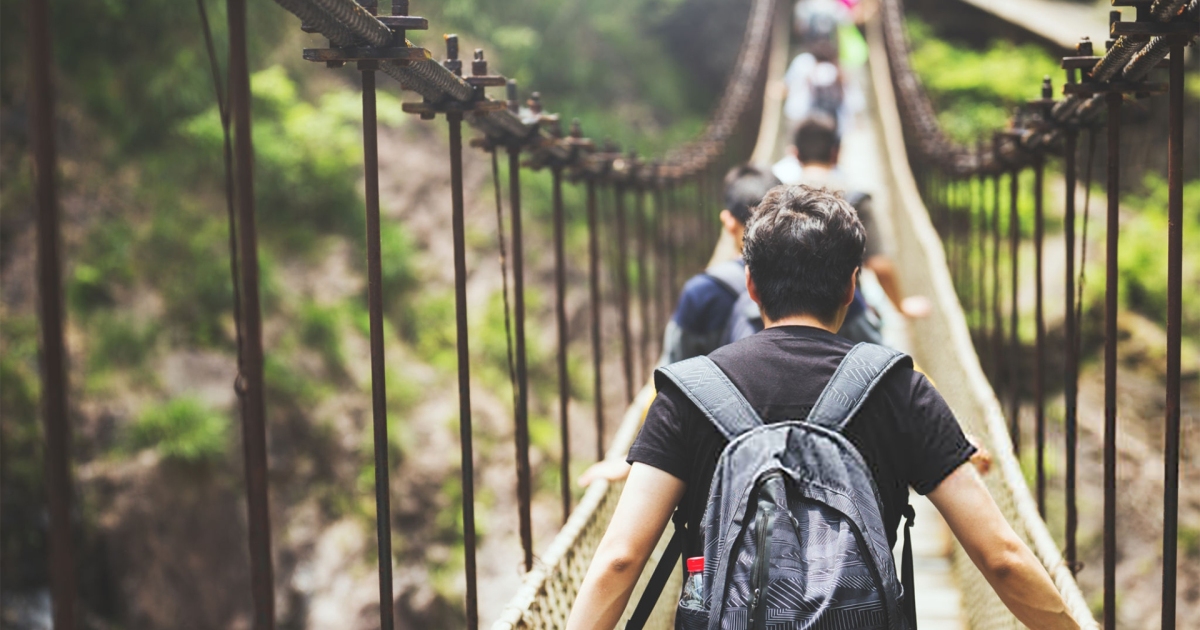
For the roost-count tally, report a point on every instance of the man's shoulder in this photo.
(703, 303)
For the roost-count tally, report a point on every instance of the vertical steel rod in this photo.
(660, 280)
(643, 288)
(1110, 361)
(1174, 332)
(254, 430)
(997, 316)
(1014, 348)
(980, 253)
(464, 365)
(623, 289)
(383, 511)
(1071, 369)
(55, 420)
(594, 287)
(560, 315)
(672, 238)
(524, 476)
(1039, 370)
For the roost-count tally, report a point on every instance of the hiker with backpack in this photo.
(815, 150)
(787, 459)
(815, 83)
(713, 307)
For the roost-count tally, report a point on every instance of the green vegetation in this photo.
(184, 430)
(1143, 259)
(973, 90)
(147, 270)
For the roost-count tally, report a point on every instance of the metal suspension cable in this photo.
(223, 112)
(500, 238)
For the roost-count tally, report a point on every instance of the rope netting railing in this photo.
(983, 243)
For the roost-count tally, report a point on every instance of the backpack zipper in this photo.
(760, 568)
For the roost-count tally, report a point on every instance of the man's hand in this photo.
(916, 307)
(608, 469)
(982, 458)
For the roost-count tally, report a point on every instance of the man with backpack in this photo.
(787, 458)
(815, 148)
(713, 306)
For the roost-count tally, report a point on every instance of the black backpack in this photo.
(744, 319)
(793, 534)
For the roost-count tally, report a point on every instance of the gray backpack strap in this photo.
(711, 391)
(860, 371)
(730, 274)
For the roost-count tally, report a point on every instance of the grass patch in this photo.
(183, 430)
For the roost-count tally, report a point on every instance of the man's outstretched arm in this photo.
(642, 513)
(1009, 566)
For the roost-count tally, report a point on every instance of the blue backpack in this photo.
(793, 534)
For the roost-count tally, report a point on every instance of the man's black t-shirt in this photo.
(905, 431)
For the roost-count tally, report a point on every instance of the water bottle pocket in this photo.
(690, 619)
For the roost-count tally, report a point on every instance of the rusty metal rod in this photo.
(464, 365)
(1174, 334)
(660, 281)
(594, 288)
(1039, 370)
(643, 287)
(997, 315)
(981, 306)
(672, 238)
(623, 289)
(521, 433)
(1071, 369)
(1110, 360)
(254, 431)
(56, 423)
(560, 315)
(1014, 347)
(383, 511)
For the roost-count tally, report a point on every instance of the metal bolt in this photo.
(452, 62)
(535, 102)
(1084, 48)
(479, 65)
(399, 7)
(511, 96)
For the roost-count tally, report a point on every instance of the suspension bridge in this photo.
(953, 244)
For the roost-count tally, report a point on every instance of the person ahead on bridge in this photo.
(803, 248)
(812, 160)
(707, 315)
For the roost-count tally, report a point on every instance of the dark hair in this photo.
(816, 139)
(744, 187)
(825, 49)
(802, 246)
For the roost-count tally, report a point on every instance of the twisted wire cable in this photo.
(1164, 10)
(1145, 59)
(1115, 59)
(314, 16)
(351, 15)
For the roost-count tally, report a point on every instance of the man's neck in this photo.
(816, 169)
(800, 320)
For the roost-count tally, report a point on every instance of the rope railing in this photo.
(952, 177)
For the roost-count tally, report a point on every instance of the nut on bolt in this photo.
(479, 65)
(510, 93)
(452, 62)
